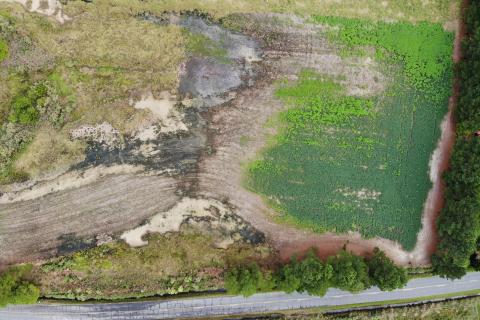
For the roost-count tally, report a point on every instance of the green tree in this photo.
(289, 278)
(350, 272)
(247, 280)
(314, 274)
(310, 275)
(384, 273)
(14, 289)
(459, 222)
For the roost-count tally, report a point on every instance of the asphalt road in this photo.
(204, 307)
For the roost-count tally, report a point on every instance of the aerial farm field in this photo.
(350, 163)
(179, 140)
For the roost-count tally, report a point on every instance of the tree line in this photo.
(459, 222)
(344, 271)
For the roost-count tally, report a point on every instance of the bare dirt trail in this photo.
(35, 229)
(428, 238)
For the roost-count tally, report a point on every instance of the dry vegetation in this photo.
(409, 10)
(49, 150)
(169, 264)
(465, 309)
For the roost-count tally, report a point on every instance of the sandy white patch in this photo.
(102, 133)
(45, 7)
(164, 112)
(248, 53)
(70, 180)
(172, 219)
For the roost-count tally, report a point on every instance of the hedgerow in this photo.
(344, 271)
(459, 221)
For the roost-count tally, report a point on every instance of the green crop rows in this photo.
(346, 163)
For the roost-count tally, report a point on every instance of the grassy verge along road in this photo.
(228, 305)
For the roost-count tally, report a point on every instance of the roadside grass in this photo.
(169, 264)
(354, 164)
(435, 308)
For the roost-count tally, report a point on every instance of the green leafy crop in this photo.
(344, 163)
(425, 49)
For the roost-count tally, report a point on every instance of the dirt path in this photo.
(38, 228)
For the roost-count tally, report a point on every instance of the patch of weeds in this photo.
(58, 264)
(3, 50)
(169, 264)
(201, 45)
(424, 49)
(13, 138)
(25, 107)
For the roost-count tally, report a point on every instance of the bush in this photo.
(247, 280)
(25, 107)
(14, 289)
(384, 274)
(350, 272)
(310, 275)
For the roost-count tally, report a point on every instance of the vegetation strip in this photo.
(344, 271)
(459, 221)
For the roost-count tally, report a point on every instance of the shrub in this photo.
(25, 107)
(247, 280)
(350, 272)
(14, 289)
(384, 273)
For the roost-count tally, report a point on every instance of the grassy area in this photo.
(468, 309)
(409, 10)
(93, 53)
(96, 72)
(3, 50)
(169, 264)
(346, 163)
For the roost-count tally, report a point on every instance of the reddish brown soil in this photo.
(427, 241)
